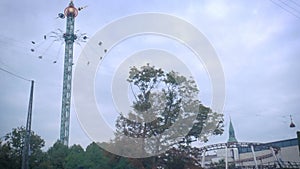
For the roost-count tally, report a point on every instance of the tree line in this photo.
(59, 156)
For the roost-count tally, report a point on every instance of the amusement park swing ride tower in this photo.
(70, 13)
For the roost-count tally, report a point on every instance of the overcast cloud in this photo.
(256, 41)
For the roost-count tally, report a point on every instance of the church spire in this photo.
(231, 138)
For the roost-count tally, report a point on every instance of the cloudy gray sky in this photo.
(257, 43)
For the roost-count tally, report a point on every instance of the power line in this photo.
(288, 5)
(15, 75)
(295, 3)
(277, 4)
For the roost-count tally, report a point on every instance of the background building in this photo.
(276, 154)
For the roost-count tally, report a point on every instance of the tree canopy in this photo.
(162, 98)
(12, 145)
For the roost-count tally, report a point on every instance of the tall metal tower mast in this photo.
(26, 148)
(70, 12)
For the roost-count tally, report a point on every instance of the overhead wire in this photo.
(295, 3)
(20, 45)
(5, 65)
(285, 9)
(10, 72)
(288, 5)
(15, 75)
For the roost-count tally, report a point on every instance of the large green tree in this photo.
(181, 157)
(57, 156)
(11, 148)
(95, 157)
(98, 158)
(6, 160)
(75, 158)
(160, 99)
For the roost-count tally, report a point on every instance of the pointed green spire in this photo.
(231, 138)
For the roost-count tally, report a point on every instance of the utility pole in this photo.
(26, 148)
(70, 13)
(298, 136)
